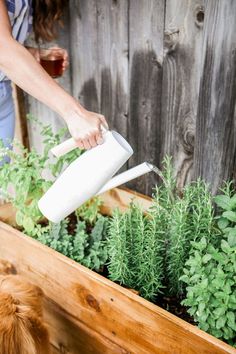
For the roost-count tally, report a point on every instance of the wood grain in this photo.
(216, 121)
(146, 27)
(100, 60)
(180, 86)
(8, 214)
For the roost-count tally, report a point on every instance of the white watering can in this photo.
(89, 175)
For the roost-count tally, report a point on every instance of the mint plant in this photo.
(210, 275)
(227, 220)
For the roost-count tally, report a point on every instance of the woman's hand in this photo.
(86, 127)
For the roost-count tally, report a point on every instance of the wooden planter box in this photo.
(89, 314)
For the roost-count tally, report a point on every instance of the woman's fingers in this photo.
(80, 144)
(92, 140)
(86, 143)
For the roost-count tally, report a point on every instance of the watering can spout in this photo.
(127, 176)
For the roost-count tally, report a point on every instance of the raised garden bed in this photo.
(87, 313)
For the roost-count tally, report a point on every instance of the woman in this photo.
(17, 64)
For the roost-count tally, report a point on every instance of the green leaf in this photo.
(184, 278)
(223, 223)
(28, 224)
(220, 322)
(230, 215)
(220, 311)
(204, 326)
(231, 320)
(223, 201)
(206, 258)
(225, 247)
(231, 233)
(19, 218)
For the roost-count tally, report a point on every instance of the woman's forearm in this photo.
(21, 67)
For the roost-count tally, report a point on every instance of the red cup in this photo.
(52, 61)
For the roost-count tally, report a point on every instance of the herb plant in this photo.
(210, 274)
(22, 182)
(134, 258)
(86, 248)
(191, 219)
(227, 220)
(149, 253)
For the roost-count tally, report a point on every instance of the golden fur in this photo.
(22, 330)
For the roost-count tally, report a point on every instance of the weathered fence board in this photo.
(216, 120)
(146, 27)
(180, 85)
(146, 66)
(99, 31)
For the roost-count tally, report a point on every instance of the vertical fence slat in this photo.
(146, 27)
(84, 53)
(216, 123)
(181, 76)
(99, 32)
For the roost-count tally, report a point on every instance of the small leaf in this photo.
(28, 224)
(220, 311)
(19, 218)
(230, 215)
(223, 223)
(223, 201)
(232, 236)
(225, 246)
(231, 319)
(184, 278)
(220, 322)
(206, 258)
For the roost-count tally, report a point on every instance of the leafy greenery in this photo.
(227, 220)
(210, 275)
(191, 219)
(89, 249)
(90, 210)
(22, 182)
(134, 258)
(149, 252)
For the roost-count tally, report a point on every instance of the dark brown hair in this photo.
(47, 15)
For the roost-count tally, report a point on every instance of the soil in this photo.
(172, 305)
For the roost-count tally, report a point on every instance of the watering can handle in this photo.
(69, 145)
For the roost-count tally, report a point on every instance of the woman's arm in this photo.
(20, 66)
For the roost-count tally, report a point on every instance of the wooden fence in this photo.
(163, 72)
